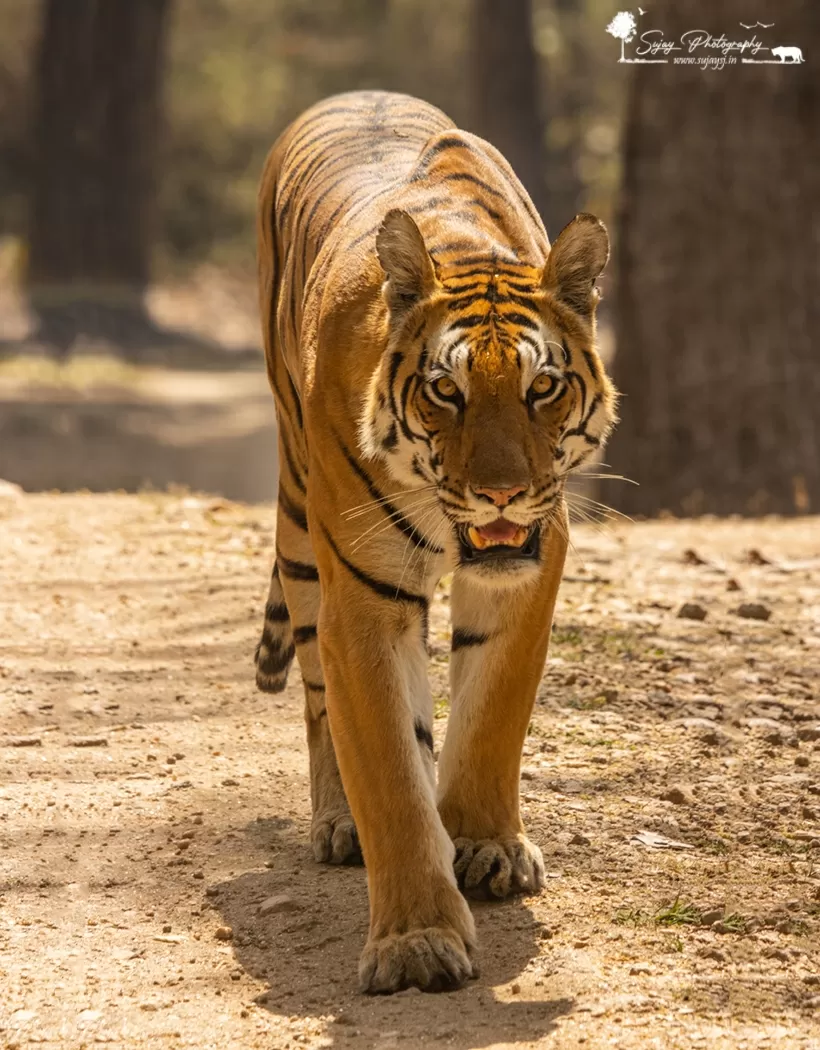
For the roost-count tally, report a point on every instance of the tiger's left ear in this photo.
(405, 260)
(576, 261)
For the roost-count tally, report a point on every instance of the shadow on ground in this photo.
(309, 956)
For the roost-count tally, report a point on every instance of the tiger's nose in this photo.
(500, 497)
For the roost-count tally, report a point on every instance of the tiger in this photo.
(436, 380)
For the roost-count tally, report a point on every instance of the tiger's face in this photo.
(491, 389)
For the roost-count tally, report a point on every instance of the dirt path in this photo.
(150, 799)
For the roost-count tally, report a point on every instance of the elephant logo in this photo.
(793, 54)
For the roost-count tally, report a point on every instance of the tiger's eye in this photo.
(544, 384)
(445, 387)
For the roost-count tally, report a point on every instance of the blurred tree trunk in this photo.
(98, 93)
(505, 88)
(717, 306)
(565, 104)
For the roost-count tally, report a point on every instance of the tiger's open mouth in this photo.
(499, 539)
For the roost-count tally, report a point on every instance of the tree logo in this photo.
(623, 27)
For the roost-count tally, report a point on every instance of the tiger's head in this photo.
(490, 387)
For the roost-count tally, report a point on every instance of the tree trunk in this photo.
(505, 88)
(717, 305)
(98, 88)
(566, 104)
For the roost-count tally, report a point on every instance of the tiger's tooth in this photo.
(476, 538)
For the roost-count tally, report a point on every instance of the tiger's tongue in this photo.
(499, 531)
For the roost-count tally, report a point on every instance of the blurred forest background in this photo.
(132, 137)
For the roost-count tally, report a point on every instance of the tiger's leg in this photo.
(499, 651)
(333, 833)
(372, 646)
(291, 616)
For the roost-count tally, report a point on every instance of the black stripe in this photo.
(395, 364)
(423, 734)
(579, 380)
(520, 319)
(292, 511)
(307, 167)
(315, 687)
(466, 176)
(407, 430)
(520, 300)
(385, 590)
(478, 203)
(593, 368)
(448, 142)
(325, 193)
(298, 570)
(390, 439)
(463, 301)
(301, 635)
(456, 246)
(417, 538)
(462, 638)
(276, 661)
(276, 612)
(469, 321)
(291, 462)
(307, 122)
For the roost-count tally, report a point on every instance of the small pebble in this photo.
(578, 839)
(678, 795)
(223, 933)
(278, 905)
(802, 761)
(639, 968)
(691, 611)
(229, 782)
(87, 741)
(753, 611)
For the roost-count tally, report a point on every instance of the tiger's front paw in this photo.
(435, 959)
(494, 868)
(335, 840)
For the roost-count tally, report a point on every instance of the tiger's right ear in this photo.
(410, 272)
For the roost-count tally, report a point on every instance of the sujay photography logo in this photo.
(697, 47)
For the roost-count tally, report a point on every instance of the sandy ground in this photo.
(151, 800)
